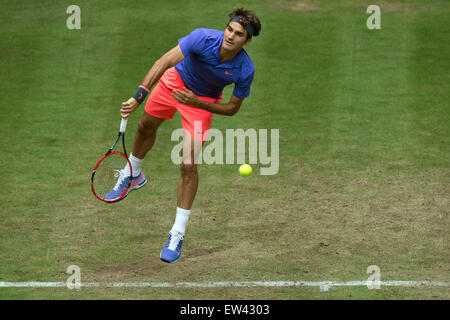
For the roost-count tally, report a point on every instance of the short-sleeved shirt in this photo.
(202, 71)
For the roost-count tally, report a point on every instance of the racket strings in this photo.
(111, 179)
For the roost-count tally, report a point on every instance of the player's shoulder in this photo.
(207, 34)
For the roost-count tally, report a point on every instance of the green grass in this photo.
(364, 151)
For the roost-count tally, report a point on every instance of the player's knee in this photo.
(146, 128)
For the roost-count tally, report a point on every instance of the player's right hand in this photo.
(128, 107)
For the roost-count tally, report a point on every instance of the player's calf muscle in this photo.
(188, 170)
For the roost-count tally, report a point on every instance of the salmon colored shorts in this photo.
(161, 104)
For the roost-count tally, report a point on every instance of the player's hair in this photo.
(250, 17)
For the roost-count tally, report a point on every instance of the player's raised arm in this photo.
(168, 60)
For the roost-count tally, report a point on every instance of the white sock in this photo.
(135, 164)
(181, 220)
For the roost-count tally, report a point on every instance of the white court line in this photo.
(323, 285)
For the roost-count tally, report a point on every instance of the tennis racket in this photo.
(110, 181)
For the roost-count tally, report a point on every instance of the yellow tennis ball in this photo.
(245, 170)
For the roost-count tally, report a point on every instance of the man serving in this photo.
(191, 80)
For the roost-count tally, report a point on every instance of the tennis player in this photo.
(191, 80)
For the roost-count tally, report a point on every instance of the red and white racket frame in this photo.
(123, 126)
(95, 170)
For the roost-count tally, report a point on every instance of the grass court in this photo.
(364, 162)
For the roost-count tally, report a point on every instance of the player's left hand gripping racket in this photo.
(110, 182)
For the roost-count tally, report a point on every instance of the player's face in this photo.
(234, 37)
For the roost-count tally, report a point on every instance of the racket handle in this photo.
(123, 125)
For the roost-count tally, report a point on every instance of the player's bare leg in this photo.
(187, 189)
(146, 135)
(188, 183)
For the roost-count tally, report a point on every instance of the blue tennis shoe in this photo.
(172, 250)
(122, 183)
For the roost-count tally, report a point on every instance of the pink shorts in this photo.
(161, 104)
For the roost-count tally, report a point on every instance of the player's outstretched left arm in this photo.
(189, 98)
(168, 60)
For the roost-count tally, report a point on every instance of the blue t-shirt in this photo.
(202, 71)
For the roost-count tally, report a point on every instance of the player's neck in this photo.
(226, 55)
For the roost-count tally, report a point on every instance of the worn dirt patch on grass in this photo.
(395, 7)
(300, 6)
(403, 6)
